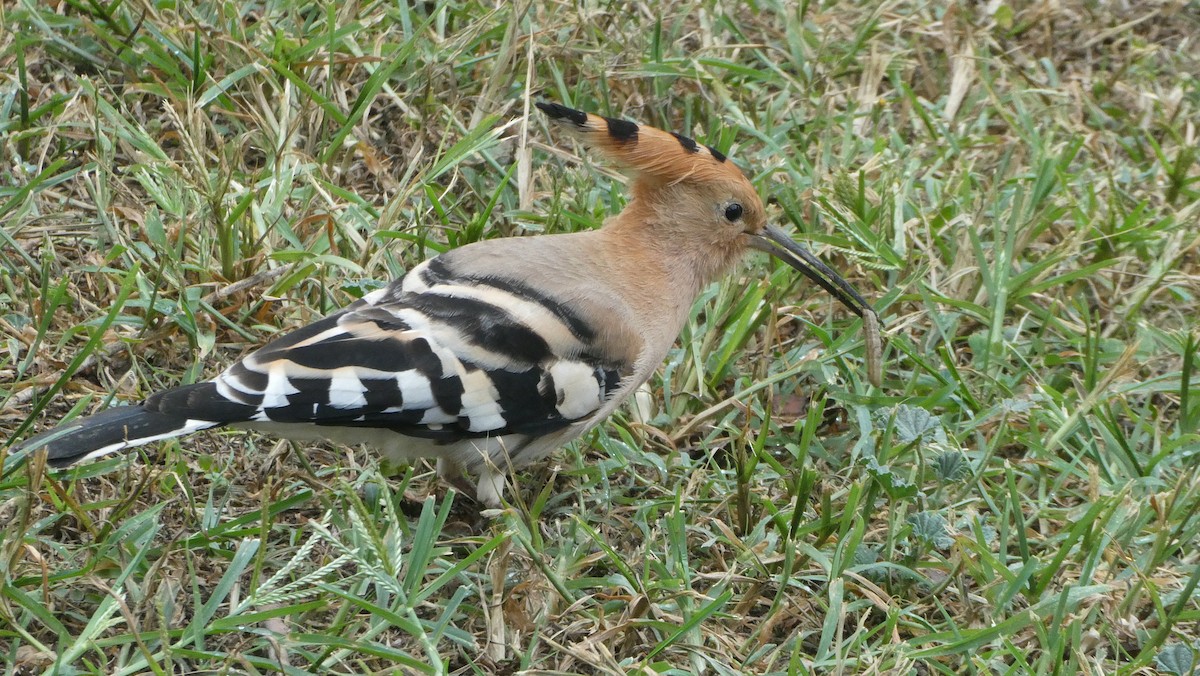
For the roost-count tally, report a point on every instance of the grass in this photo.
(1015, 185)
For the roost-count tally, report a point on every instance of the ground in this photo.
(1015, 186)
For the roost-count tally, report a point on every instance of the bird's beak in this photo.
(776, 242)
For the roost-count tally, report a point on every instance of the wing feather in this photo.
(436, 355)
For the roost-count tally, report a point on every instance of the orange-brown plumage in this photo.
(654, 157)
(680, 190)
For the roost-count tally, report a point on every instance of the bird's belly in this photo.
(509, 450)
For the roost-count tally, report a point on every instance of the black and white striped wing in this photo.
(435, 356)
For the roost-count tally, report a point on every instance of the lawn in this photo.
(1015, 186)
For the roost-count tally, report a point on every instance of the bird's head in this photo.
(696, 200)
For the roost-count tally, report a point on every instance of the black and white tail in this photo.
(112, 430)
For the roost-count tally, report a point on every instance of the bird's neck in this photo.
(661, 274)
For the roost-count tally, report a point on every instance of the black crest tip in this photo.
(621, 131)
(687, 143)
(557, 111)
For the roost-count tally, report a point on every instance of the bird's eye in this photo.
(733, 211)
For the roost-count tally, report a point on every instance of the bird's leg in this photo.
(490, 487)
(452, 472)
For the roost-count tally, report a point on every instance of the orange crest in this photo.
(654, 157)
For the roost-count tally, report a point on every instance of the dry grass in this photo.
(1017, 186)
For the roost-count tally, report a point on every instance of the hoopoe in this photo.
(491, 356)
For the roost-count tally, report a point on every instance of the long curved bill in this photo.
(776, 242)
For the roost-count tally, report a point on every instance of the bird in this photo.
(490, 356)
